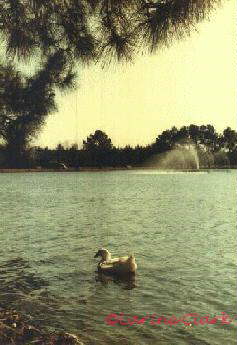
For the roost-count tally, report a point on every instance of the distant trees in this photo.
(166, 140)
(98, 151)
(213, 149)
(229, 139)
(228, 143)
(221, 159)
(204, 135)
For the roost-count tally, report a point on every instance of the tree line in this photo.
(98, 151)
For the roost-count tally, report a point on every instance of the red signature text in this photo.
(189, 319)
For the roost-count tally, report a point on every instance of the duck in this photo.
(119, 265)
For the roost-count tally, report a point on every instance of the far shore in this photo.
(105, 169)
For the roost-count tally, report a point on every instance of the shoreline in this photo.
(108, 169)
(16, 329)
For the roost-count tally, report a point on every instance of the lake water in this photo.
(180, 226)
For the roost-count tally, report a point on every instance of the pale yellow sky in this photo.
(194, 81)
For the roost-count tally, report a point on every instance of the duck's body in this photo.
(120, 265)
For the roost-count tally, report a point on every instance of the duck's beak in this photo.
(96, 255)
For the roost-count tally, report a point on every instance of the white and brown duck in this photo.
(119, 265)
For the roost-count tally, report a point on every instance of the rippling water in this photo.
(180, 226)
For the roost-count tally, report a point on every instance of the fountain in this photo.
(183, 156)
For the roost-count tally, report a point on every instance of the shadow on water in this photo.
(15, 279)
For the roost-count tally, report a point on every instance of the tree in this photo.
(193, 131)
(99, 147)
(229, 139)
(25, 102)
(98, 141)
(88, 28)
(166, 140)
(60, 34)
(209, 138)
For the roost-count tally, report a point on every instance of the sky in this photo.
(191, 82)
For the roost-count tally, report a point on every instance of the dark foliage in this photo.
(89, 28)
(213, 149)
(26, 101)
(98, 147)
(200, 135)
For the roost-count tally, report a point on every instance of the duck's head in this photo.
(103, 253)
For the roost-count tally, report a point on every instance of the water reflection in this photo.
(127, 282)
